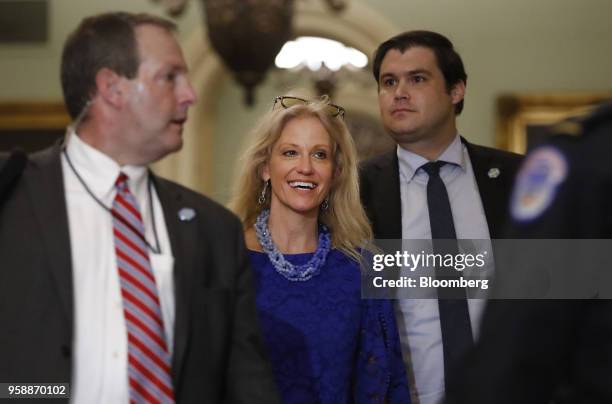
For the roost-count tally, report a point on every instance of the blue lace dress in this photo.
(325, 343)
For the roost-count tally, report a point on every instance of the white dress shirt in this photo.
(419, 319)
(99, 368)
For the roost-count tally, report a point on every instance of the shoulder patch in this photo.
(537, 183)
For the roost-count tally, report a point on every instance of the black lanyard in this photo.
(156, 249)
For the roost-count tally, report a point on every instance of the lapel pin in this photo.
(493, 172)
(186, 214)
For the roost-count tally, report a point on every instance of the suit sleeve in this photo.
(523, 353)
(534, 351)
(250, 378)
(11, 168)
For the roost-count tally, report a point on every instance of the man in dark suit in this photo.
(127, 286)
(421, 86)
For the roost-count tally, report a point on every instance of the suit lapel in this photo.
(493, 189)
(386, 199)
(46, 191)
(183, 239)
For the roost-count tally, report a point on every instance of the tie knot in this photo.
(121, 181)
(433, 168)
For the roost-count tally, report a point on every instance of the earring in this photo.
(262, 195)
(325, 204)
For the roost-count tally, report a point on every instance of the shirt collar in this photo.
(410, 162)
(100, 172)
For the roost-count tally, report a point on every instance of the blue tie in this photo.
(454, 315)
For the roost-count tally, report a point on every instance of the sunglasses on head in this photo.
(287, 101)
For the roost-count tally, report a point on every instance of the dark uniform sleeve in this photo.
(551, 351)
(563, 189)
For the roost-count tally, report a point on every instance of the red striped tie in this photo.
(148, 356)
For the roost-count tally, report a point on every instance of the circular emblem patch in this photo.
(537, 183)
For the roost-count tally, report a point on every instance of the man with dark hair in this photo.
(447, 59)
(127, 286)
(435, 185)
(98, 43)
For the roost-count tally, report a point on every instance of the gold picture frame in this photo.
(33, 115)
(31, 125)
(519, 114)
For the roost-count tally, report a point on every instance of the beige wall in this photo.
(507, 46)
(519, 45)
(32, 72)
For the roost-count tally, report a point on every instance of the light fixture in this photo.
(247, 34)
(322, 61)
(314, 52)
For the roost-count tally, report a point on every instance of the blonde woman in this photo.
(298, 199)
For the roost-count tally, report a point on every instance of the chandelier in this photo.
(247, 34)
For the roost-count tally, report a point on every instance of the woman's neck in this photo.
(293, 232)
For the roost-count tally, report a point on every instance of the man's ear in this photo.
(108, 86)
(458, 92)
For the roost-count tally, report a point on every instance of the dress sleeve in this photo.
(380, 373)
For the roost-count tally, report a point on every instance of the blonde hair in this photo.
(345, 217)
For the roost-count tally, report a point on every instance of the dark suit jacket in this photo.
(380, 189)
(11, 167)
(218, 355)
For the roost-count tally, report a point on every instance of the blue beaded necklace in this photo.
(294, 273)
